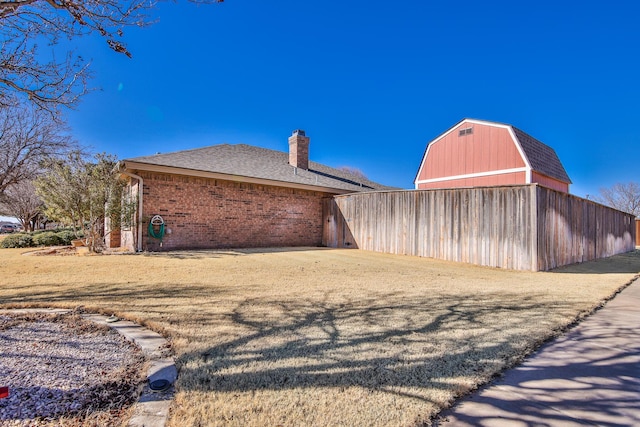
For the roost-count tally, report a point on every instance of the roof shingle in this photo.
(543, 159)
(243, 160)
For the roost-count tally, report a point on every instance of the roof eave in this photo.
(149, 167)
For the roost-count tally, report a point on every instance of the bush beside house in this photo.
(61, 237)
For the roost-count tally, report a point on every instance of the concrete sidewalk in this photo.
(590, 376)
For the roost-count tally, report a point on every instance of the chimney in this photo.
(299, 149)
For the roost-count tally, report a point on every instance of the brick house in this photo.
(476, 153)
(226, 196)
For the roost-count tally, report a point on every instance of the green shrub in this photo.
(48, 238)
(59, 237)
(66, 236)
(17, 240)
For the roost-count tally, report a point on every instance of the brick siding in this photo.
(213, 213)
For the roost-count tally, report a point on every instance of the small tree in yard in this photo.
(21, 201)
(82, 193)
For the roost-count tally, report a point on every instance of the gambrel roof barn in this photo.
(476, 153)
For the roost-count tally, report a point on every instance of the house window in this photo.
(465, 131)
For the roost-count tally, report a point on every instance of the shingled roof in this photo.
(542, 158)
(240, 160)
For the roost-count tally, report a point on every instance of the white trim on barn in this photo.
(529, 176)
(474, 175)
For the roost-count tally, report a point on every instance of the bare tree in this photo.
(21, 201)
(27, 137)
(624, 197)
(30, 30)
(353, 171)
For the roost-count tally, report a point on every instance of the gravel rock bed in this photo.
(64, 370)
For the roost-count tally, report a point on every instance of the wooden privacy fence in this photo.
(526, 227)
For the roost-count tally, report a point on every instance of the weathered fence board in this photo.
(571, 230)
(516, 227)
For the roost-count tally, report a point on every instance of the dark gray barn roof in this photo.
(242, 160)
(543, 159)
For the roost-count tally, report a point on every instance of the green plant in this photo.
(83, 193)
(48, 238)
(17, 240)
(66, 236)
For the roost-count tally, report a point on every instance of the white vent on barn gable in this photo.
(465, 131)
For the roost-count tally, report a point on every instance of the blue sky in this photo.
(373, 82)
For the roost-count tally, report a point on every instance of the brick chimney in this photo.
(299, 149)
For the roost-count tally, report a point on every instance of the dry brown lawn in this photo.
(317, 336)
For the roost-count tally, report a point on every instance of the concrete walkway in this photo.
(152, 408)
(590, 376)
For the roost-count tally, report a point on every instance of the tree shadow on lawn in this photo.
(121, 295)
(383, 343)
(564, 387)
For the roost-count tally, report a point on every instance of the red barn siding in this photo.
(548, 182)
(488, 154)
(486, 149)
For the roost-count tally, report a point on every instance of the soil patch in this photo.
(55, 250)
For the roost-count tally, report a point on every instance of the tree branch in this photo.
(24, 24)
